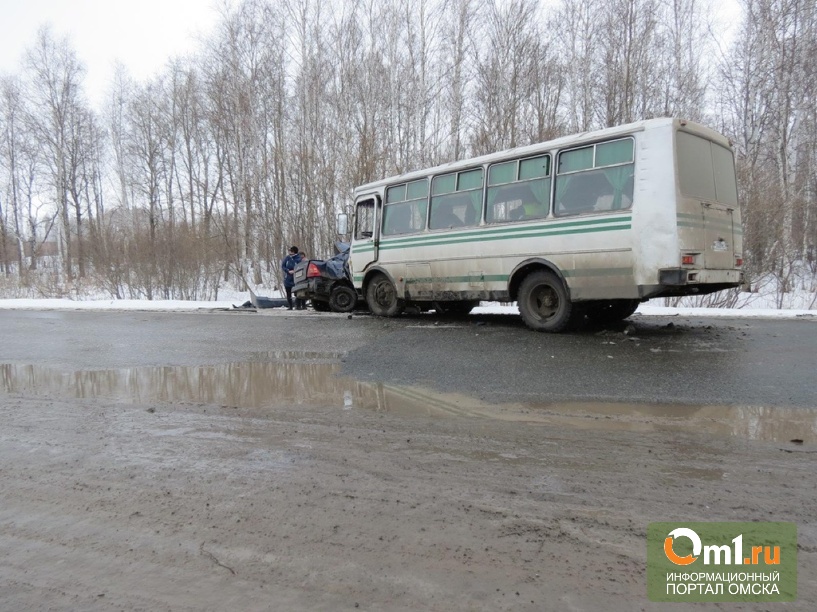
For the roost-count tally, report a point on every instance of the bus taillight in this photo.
(738, 261)
(312, 270)
(687, 260)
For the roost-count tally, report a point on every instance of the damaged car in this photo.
(327, 284)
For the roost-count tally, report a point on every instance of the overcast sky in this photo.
(142, 34)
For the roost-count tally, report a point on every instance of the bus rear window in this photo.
(706, 170)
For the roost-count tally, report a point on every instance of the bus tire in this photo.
(343, 299)
(381, 296)
(543, 302)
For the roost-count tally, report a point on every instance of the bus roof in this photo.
(563, 141)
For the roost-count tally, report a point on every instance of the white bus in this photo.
(588, 225)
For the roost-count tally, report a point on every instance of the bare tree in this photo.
(505, 71)
(58, 115)
(239, 72)
(578, 39)
(457, 47)
(206, 172)
(548, 85)
(769, 78)
(11, 145)
(684, 44)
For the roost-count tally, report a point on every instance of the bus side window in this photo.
(472, 214)
(583, 192)
(623, 181)
(444, 215)
(595, 178)
(452, 210)
(617, 192)
(516, 203)
(502, 204)
(397, 220)
(532, 208)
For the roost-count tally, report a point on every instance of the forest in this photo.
(199, 178)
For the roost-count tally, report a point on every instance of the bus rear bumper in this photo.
(686, 281)
(681, 277)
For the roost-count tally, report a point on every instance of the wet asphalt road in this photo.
(494, 358)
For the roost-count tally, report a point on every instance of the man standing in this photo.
(288, 266)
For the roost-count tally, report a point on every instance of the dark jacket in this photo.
(289, 263)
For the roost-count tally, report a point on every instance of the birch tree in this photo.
(505, 75)
(56, 78)
(578, 39)
(769, 79)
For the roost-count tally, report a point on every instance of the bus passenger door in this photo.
(365, 235)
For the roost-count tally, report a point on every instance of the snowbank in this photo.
(485, 308)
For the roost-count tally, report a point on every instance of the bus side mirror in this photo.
(343, 224)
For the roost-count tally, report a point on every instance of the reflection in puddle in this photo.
(312, 379)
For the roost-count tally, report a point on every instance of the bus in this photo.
(582, 227)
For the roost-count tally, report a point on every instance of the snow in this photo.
(647, 309)
(117, 305)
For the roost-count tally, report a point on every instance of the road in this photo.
(715, 361)
(304, 461)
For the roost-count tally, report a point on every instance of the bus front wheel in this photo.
(381, 296)
(544, 303)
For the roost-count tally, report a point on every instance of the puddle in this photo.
(287, 379)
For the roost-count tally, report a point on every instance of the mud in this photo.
(281, 484)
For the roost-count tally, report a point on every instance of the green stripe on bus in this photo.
(541, 233)
(490, 237)
(598, 272)
(712, 225)
(458, 279)
(510, 231)
(702, 222)
(697, 222)
(502, 233)
(589, 272)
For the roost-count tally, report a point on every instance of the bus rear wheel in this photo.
(544, 303)
(381, 296)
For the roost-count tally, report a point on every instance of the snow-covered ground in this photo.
(647, 309)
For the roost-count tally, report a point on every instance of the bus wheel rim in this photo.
(545, 301)
(384, 294)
